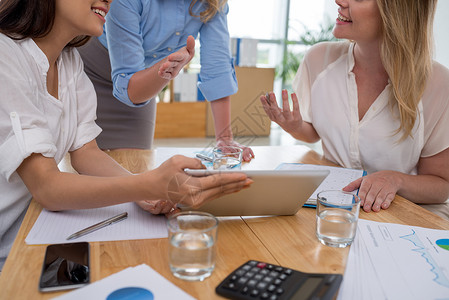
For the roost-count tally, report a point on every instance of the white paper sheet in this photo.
(55, 227)
(404, 262)
(141, 278)
(337, 179)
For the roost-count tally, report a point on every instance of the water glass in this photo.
(337, 213)
(192, 237)
(227, 158)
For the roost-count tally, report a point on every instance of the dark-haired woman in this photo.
(47, 109)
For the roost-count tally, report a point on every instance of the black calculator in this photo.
(259, 280)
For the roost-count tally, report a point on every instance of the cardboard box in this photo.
(248, 119)
(180, 119)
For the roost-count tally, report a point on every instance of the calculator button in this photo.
(252, 263)
(274, 274)
(277, 281)
(252, 283)
(271, 288)
(279, 291)
(283, 277)
(264, 295)
(255, 270)
(261, 285)
(242, 280)
(288, 271)
(233, 278)
(254, 293)
(261, 265)
(231, 286)
(270, 267)
(246, 267)
(278, 269)
(268, 279)
(240, 272)
(244, 290)
(273, 297)
(258, 277)
(250, 274)
(264, 272)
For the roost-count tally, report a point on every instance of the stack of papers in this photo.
(393, 261)
(140, 282)
(337, 179)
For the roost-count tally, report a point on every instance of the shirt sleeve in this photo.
(436, 112)
(87, 130)
(125, 45)
(217, 75)
(23, 126)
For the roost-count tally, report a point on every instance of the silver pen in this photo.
(97, 226)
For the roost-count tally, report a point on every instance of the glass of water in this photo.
(192, 236)
(227, 158)
(337, 213)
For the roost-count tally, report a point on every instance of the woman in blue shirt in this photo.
(139, 38)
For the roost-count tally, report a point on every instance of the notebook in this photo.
(273, 192)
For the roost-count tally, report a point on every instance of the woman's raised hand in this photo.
(176, 61)
(290, 121)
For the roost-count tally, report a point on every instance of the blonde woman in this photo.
(377, 102)
(147, 43)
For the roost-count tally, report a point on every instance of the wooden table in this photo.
(287, 240)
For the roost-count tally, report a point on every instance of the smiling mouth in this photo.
(99, 12)
(343, 19)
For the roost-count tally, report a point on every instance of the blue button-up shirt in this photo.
(139, 33)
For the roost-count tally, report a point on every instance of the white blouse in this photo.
(33, 121)
(327, 91)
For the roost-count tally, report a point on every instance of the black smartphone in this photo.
(66, 266)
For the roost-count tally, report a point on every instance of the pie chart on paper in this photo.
(443, 243)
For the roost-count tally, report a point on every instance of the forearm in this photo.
(146, 84)
(221, 111)
(64, 191)
(90, 160)
(428, 189)
(305, 132)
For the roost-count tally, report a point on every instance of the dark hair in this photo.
(20, 19)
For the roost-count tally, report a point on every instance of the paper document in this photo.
(55, 227)
(140, 282)
(393, 261)
(337, 179)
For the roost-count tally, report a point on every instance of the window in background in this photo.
(278, 25)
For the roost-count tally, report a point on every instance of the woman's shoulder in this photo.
(329, 49)
(321, 55)
(438, 81)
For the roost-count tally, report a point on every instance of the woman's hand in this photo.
(376, 190)
(157, 207)
(176, 61)
(290, 121)
(247, 153)
(174, 185)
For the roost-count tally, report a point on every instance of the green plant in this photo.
(292, 59)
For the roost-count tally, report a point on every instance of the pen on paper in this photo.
(203, 157)
(100, 225)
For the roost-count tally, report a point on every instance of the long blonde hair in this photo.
(213, 6)
(406, 52)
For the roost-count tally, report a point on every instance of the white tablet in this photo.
(274, 192)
